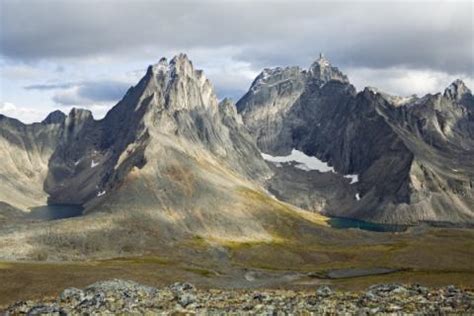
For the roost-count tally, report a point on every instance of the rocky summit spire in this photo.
(322, 71)
(173, 85)
(456, 90)
(322, 61)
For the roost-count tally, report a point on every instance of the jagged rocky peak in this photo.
(161, 66)
(77, 114)
(270, 75)
(322, 71)
(179, 65)
(227, 108)
(457, 90)
(392, 99)
(179, 83)
(55, 117)
(76, 120)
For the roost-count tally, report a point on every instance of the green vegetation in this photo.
(202, 272)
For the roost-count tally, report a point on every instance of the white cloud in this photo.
(404, 82)
(29, 115)
(230, 76)
(24, 114)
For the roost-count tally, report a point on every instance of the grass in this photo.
(435, 258)
(138, 260)
(279, 208)
(203, 272)
(4, 265)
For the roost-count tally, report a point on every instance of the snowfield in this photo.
(305, 162)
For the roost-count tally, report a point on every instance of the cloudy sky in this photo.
(61, 54)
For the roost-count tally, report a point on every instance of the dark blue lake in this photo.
(341, 222)
(52, 212)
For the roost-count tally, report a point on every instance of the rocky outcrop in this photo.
(128, 297)
(404, 150)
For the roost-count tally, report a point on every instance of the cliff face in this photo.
(403, 150)
(266, 105)
(25, 152)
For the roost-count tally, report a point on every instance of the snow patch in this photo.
(77, 162)
(357, 196)
(304, 162)
(101, 193)
(94, 164)
(302, 166)
(354, 178)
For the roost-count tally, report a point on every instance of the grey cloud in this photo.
(84, 93)
(49, 86)
(431, 35)
(103, 91)
(427, 35)
(69, 99)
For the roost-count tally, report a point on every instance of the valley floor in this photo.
(429, 256)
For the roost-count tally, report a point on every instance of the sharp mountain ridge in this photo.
(171, 150)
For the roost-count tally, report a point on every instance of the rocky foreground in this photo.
(126, 297)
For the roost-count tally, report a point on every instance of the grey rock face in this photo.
(25, 152)
(267, 103)
(56, 117)
(458, 91)
(438, 131)
(321, 72)
(411, 154)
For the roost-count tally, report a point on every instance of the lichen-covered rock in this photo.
(324, 291)
(72, 295)
(127, 297)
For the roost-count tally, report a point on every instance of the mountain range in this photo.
(413, 156)
(170, 149)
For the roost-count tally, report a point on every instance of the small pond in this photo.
(56, 211)
(341, 222)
